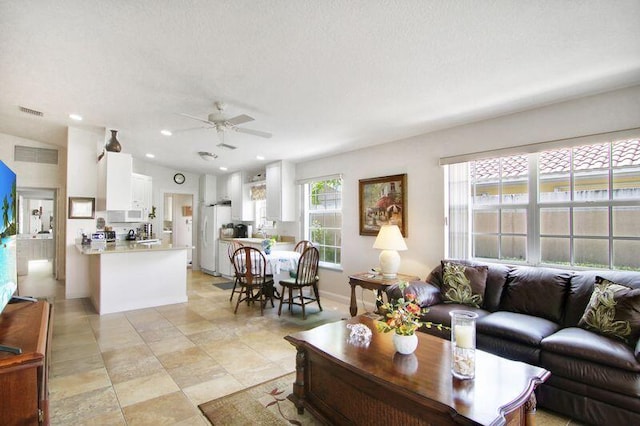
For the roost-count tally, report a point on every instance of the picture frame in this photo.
(82, 208)
(383, 200)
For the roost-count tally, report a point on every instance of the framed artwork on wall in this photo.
(383, 201)
(82, 208)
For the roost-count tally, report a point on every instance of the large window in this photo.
(576, 206)
(323, 219)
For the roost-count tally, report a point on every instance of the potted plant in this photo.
(403, 317)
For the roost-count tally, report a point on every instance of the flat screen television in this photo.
(8, 231)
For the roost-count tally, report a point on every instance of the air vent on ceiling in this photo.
(35, 155)
(31, 111)
(224, 145)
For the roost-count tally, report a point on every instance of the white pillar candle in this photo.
(464, 336)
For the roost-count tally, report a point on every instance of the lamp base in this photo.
(389, 263)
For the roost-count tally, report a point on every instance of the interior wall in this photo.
(419, 156)
(36, 175)
(82, 180)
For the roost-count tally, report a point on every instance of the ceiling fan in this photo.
(216, 120)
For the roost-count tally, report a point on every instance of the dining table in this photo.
(281, 261)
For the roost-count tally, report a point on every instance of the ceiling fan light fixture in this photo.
(166, 132)
(207, 156)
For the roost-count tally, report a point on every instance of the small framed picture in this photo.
(82, 208)
(383, 201)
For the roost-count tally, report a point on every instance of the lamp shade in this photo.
(390, 238)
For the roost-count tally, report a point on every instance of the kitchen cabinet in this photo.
(141, 193)
(225, 267)
(114, 182)
(281, 191)
(241, 204)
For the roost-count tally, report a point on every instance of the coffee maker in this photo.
(241, 230)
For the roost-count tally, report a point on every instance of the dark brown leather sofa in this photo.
(531, 314)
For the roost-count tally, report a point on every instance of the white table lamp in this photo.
(390, 241)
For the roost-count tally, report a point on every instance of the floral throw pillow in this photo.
(613, 311)
(463, 284)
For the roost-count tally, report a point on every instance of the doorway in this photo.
(37, 231)
(177, 223)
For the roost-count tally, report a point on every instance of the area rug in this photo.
(228, 285)
(263, 404)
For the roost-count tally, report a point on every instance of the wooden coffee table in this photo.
(340, 382)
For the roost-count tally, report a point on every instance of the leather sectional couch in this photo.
(533, 314)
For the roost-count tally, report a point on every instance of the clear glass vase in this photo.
(463, 344)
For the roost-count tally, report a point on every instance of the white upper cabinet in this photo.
(114, 182)
(141, 193)
(281, 191)
(241, 204)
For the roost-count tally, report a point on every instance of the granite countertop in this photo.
(257, 241)
(126, 247)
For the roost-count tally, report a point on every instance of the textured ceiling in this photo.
(322, 76)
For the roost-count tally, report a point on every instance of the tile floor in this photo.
(154, 366)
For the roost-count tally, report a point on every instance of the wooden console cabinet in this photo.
(24, 377)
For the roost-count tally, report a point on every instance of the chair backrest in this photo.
(250, 265)
(232, 247)
(308, 266)
(302, 246)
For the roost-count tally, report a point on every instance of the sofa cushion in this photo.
(439, 314)
(613, 311)
(515, 351)
(536, 291)
(593, 374)
(463, 284)
(496, 280)
(514, 327)
(426, 294)
(578, 343)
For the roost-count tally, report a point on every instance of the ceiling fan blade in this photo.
(253, 132)
(177, 131)
(244, 118)
(193, 117)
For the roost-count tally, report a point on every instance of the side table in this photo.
(373, 281)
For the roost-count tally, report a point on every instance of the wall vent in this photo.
(35, 155)
(31, 111)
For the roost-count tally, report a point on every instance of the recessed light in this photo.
(259, 157)
(166, 132)
(223, 168)
(149, 155)
(75, 117)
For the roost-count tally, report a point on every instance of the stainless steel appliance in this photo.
(146, 231)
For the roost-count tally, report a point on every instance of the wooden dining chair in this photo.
(306, 277)
(251, 266)
(231, 248)
(302, 246)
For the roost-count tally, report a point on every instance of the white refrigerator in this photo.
(212, 220)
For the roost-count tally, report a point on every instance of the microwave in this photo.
(120, 216)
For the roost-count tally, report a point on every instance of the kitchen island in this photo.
(132, 275)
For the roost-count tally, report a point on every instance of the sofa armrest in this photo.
(426, 294)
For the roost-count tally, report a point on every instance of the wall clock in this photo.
(178, 178)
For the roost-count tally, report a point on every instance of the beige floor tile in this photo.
(85, 407)
(196, 327)
(74, 366)
(81, 351)
(171, 344)
(74, 384)
(182, 357)
(156, 334)
(212, 389)
(260, 373)
(168, 409)
(145, 388)
(195, 373)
